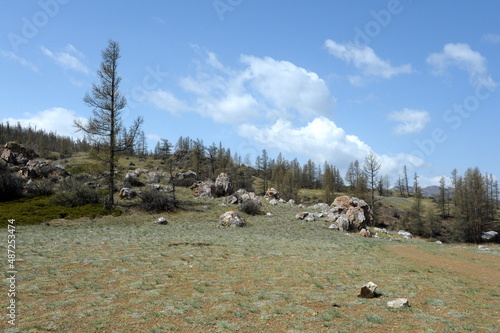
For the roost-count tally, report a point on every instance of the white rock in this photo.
(162, 221)
(398, 303)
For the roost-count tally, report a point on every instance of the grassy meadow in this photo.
(278, 274)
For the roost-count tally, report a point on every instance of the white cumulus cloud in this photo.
(57, 119)
(464, 58)
(365, 59)
(410, 121)
(322, 140)
(264, 87)
(70, 58)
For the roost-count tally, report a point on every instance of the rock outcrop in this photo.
(16, 154)
(28, 165)
(221, 187)
(349, 213)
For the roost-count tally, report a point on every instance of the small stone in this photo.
(398, 303)
(368, 290)
(162, 221)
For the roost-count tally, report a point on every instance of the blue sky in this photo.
(414, 82)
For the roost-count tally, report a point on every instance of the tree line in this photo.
(46, 144)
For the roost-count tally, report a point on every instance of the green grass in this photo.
(39, 209)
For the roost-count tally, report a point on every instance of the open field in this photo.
(127, 274)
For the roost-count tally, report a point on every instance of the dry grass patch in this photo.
(126, 274)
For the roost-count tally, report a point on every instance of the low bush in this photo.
(42, 187)
(73, 193)
(154, 201)
(250, 207)
(39, 209)
(11, 185)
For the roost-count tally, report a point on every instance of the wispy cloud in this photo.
(410, 121)
(491, 38)
(166, 101)
(14, 57)
(70, 58)
(365, 59)
(464, 58)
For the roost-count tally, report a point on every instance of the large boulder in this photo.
(38, 168)
(204, 190)
(349, 213)
(223, 186)
(272, 193)
(127, 193)
(231, 219)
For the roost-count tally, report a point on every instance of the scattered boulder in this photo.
(16, 154)
(161, 221)
(155, 177)
(368, 290)
(272, 193)
(273, 202)
(38, 168)
(405, 234)
(291, 202)
(184, 178)
(127, 193)
(489, 236)
(333, 226)
(483, 248)
(349, 213)
(204, 190)
(231, 219)
(241, 196)
(223, 185)
(398, 303)
(302, 215)
(365, 233)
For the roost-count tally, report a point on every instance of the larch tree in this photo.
(371, 167)
(104, 127)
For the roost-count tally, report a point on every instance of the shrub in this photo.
(42, 187)
(154, 201)
(73, 193)
(11, 185)
(250, 207)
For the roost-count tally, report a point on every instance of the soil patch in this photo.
(455, 264)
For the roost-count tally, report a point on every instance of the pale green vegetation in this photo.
(278, 274)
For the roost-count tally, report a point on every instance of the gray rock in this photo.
(161, 221)
(489, 236)
(398, 303)
(231, 219)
